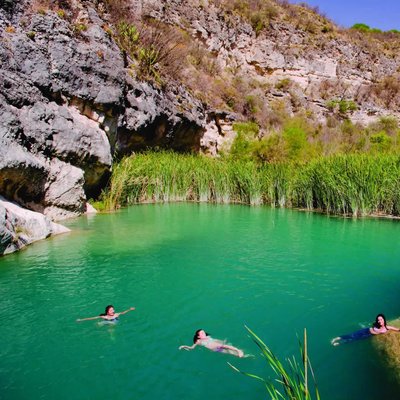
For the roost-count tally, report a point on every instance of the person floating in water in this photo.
(378, 327)
(109, 314)
(201, 338)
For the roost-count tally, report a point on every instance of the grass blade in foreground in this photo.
(292, 379)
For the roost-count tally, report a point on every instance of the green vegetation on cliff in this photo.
(299, 139)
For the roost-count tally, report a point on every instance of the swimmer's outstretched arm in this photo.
(184, 347)
(126, 311)
(88, 319)
(392, 328)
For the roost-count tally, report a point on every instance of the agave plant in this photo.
(291, 381)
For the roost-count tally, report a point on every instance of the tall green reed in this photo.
(354, 185)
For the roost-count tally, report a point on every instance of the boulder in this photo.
(20, 227)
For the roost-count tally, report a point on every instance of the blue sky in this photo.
(382, 14)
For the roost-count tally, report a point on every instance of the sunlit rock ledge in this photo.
(20, 227)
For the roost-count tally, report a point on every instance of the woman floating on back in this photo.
(378, 327)
(201, 338)
(109, 314)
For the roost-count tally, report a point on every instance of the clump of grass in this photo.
(342, 106)
(156, 50)
(10, 29)
(80, 27)
(292, 380)
(98, 205)
(283, 84)
(31, 35)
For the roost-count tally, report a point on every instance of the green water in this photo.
(189, 266)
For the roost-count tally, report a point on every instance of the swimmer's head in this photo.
(109, 310)
(200, 334)
(380, 321)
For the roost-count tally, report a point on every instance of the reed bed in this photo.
(168, 176)
(356, 185)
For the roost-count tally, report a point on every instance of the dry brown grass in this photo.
(388, 346)
(53, 5)
(170, 45)
(331, 88)
(10, 29)
(377, 44)
(387, 91)
(260, 14)
(119, 10)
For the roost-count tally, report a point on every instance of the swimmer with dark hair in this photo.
(201, 338)
(108, 315)
(378, 327)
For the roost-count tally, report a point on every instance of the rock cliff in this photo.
(296, 44)
(70, 100)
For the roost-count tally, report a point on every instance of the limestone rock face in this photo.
(169, 119)
(40, 125)
(219, 134)
(20, 227)
(68, 103)
(283, 52)
(64, 194)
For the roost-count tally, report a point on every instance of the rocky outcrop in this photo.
(52, 155)
(171, 119)
(20, 227)
(219, 133)
(68, 103)
(310, 60)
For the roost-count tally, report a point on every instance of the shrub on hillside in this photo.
(388, 91)
(283, 84)
(258, 13)
(352, 137)
(380, 142)
(157, 49)
(361, 27)
(387, 124)
(343, 107)
(271, 149)
(242, 146)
